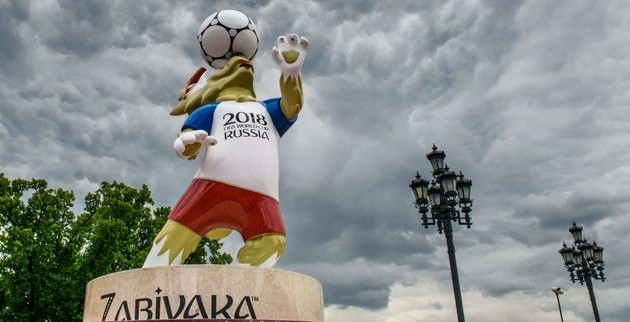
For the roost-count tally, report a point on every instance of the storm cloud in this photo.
(528, 98)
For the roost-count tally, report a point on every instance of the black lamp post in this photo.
(584, 261)
(558, 291)
(447, 190)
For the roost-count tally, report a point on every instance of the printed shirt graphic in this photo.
(246, 153)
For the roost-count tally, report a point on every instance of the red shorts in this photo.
(209, 204)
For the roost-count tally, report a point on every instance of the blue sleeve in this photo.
(280, 121)
(201, 118)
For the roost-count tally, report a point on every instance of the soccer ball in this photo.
(227, 33)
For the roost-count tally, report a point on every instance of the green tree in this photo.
(37, 252)
(119, 226)
(48, 254)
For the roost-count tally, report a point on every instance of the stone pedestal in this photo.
(204, 293)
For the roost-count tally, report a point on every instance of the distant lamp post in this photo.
(446, 191)
(584, 261)
(558, 291)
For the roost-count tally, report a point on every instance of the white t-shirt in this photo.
(246, 153)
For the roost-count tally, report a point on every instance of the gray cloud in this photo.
(527, 98)
(12, 44)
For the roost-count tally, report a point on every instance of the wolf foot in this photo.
(260, 249)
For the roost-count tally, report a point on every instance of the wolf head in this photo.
(234, 82)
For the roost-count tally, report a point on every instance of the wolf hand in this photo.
(189, 143)
(289, 54)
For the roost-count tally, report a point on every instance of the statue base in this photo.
(204, 293)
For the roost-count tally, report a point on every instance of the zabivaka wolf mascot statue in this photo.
(236, 186)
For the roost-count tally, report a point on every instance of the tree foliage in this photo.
(48, 253)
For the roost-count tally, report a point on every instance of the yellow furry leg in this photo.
(218, 233)
(259, 249)
(179, 238)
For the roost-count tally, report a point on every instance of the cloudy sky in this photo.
(529, 98)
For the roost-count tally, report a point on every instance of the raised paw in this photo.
(289, 54)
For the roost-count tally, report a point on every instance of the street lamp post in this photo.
(584, 261)
(447, 190)
(558, 291)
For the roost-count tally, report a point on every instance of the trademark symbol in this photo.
(254, 298)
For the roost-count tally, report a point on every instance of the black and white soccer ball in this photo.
(227, 33)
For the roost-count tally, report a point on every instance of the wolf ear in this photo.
(190, 83)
